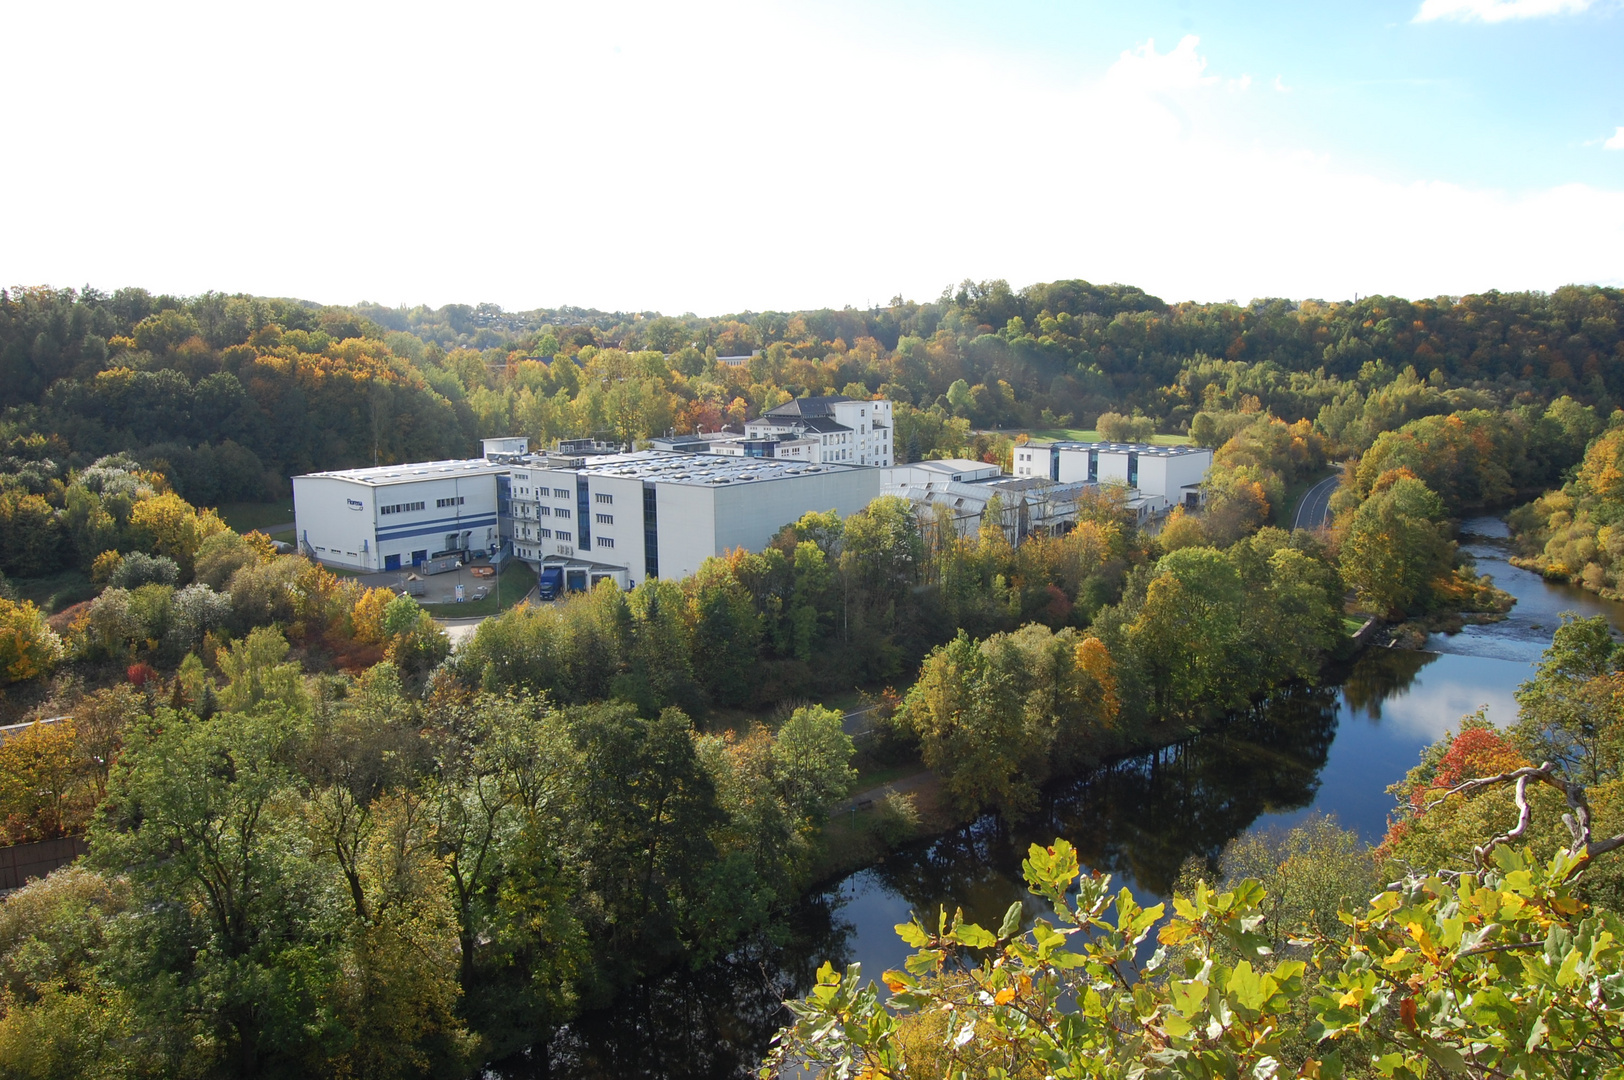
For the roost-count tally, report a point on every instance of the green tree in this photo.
(811, 757)
(1186, 636)
(1395, 548)
(204, 825)
(1569, 710)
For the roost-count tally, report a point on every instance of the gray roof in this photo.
(698, 470)
(1137, 448)
(384, 475)
(809, 406)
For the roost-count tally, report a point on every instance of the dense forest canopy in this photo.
(437, 856)
(230, 394)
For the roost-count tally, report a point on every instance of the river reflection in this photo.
(1332, 749)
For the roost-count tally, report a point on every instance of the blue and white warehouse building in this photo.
(393, 517)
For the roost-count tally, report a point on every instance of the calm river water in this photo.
(1333, 749)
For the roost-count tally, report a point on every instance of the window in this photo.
(545, 534)
(544, 511)
(603, 498)
(560, 493)
(562, 535)
(606, 519)
(561, 511)
(449, 502)
(604, 541)
(400, 508)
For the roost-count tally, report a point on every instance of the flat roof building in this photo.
(392, 517)
(655, 513)
(1172, 474)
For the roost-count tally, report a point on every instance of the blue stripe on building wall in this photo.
(485, 518)
(467, 523)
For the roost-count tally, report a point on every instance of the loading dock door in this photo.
(575, 580)
(391, 562)
(420, 557)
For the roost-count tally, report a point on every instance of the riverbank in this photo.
(872, 824)
(1329, 749)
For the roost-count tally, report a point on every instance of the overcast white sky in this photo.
(719, 157)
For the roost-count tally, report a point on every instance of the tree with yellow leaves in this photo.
(44, 789)
(28, 647)
(169, 525)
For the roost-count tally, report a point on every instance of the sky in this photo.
(722, 157)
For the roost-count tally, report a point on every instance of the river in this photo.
(1332, 749)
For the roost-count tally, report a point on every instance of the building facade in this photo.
(656, 513)
(1167, 475)
(835, 430)
(394, 517)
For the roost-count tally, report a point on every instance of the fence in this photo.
(21, 863)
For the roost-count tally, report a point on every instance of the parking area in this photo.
(478, 580)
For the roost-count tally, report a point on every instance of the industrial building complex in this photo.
(585, 511)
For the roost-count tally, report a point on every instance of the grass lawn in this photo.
(1084, 435)
(56, 591)
(272, 518)
(873, 778)
(1352, 623)
(517, 581)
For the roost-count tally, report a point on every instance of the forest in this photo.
(321, 842)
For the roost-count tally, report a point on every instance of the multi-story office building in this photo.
(659, 513)
(829, 430)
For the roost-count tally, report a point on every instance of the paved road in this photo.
(1314, 512)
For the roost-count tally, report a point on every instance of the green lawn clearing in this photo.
(54, 592)
(275, 519)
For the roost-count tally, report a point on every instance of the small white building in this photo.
(899, 478)
(396, 516)
(655, 513)
(1166, 475)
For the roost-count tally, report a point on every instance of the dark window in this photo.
(651, 533)
(1133, 470)
(585, 516)
(606, 519)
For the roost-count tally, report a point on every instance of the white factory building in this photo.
(655, 513)
(394, 517)
(1164, 476)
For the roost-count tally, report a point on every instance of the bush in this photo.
(138, 568)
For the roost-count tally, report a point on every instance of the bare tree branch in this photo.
(1577, 819)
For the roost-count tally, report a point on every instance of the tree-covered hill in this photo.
(229, 394)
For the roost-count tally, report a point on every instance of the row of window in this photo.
(458, 501)
(400, 508)
(606, 519)
(601, 497)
